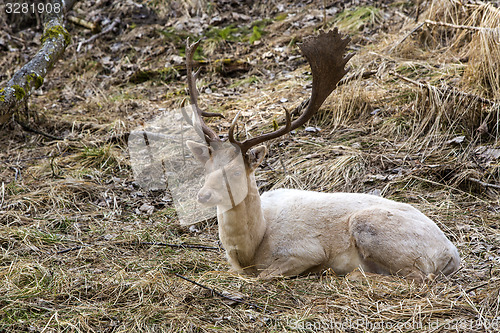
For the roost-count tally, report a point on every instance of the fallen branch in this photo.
(36, 131)
(445, 90)
(94, 27)
(183, 246)
(55, 39)
(463, 27)
(407, 35)
(217, 293)
(109, 28)
(484, 184)
(495, 31)
(481, 285)
(223, 66)
(356, 76)
(70, 249)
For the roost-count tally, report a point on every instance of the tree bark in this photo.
(55, 38)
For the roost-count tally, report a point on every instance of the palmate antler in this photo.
(325, 54)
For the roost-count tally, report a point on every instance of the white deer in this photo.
(288, 232)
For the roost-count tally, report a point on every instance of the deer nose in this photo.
(203, 197)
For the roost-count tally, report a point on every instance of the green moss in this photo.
(38, 80)
(2, 95)
(356, 18)
(54, 32)
(281, 17)
(19, 92)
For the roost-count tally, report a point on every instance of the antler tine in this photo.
(208, 133)
(191, 77)
(247, 144)
(325, 54)
(231, 130)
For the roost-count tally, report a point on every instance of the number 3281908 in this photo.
(32, 8)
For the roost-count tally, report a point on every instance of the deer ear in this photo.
(256, 156)
(200, 151)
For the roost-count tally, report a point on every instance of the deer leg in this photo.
(290, 266)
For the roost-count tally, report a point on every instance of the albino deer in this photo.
(289, 232)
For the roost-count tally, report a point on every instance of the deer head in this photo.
(230, 164)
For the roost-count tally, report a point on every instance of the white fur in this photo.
(289, 232)
(345, 230)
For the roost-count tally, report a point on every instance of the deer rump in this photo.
(345, 231)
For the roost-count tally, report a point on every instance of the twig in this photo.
(475, 180)
(34, 130)
(445, 90)
(69, 250)
(480, 286)
(215, 292)
(182, 246)
(364, 75)
(94, 37)
(464, 27)
(3, 194)
(407, 35)
(495, 31)
(17, 172)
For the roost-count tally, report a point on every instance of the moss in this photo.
(281, 17)
(38, 80)
(357, 18)
(54, 32)
(19, 92)
(2, 95)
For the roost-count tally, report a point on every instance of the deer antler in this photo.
(325, 54)
(208, 133)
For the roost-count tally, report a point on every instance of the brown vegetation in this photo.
(77, 234)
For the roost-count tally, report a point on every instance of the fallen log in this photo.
(55, 39)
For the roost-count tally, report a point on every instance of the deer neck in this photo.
(242, 227)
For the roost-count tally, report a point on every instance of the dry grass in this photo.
(76, 230)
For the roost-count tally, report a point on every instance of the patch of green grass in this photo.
(61, 225)
(122, 97)
(357, 18)
(37, 236)
(233, 33)
(256, 34)
(98, 157)
(246, 81)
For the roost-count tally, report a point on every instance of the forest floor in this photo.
(85, 249)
